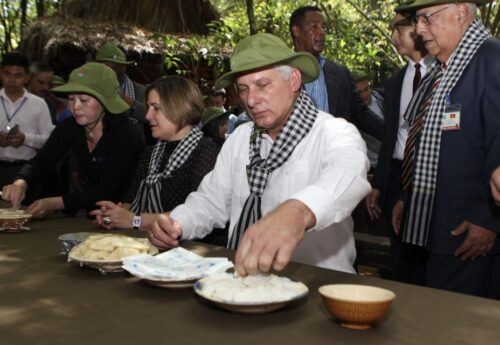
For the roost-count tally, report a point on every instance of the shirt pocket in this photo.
(296, 176)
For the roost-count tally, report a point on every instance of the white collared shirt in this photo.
(406, 95)
(326, 171)
(33, 118)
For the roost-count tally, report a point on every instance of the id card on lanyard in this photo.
(8, 126)
(451, 119)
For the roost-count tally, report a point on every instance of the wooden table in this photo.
(45, 300)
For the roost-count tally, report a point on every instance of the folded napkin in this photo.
(176, 264)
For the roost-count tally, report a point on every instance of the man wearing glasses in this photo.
(452, 149)
(386, 186)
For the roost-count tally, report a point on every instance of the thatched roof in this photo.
(45, 35)
(166, 16)
(73, 36)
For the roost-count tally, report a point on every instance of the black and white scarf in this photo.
(127, 87)
(419, 203)
(304, 114)
(148, 197)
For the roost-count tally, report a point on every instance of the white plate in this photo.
(171, 284)
(248, 308)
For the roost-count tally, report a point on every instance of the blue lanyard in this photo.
(9, 118)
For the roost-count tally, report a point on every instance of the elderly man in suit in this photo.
(452, 149)
(398, 91)
(334, 91)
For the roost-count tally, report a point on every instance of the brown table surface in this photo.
(45, 300)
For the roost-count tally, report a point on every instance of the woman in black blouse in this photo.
(105, 143)
(174, 166)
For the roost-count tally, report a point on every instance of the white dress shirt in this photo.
(326, 171)
(406, 95)
(33, 118)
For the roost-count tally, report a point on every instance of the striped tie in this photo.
(415, 129)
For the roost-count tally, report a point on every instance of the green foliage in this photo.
(352, 39)
(10, 19)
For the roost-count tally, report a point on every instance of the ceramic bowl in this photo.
(356, 306)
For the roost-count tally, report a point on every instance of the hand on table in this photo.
(479, 241)
(15, 192)
(372, 204)
(397, 216)
(43, 206)
(270, 242)
(165, 232)
(111, 215)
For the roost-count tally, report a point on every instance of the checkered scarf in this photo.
(148, 198)
(379, 100)
(419, 204)
(127, 87)
(304, 114)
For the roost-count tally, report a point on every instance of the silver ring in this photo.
(106, 220)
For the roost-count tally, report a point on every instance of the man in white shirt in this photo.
(25, 122)
(398, 92)
(288, 181)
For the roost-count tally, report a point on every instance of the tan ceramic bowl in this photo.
(356, 306)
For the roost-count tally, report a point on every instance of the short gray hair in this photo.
(472, 10)
(285, 71)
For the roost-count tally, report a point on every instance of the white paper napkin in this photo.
(176, 264)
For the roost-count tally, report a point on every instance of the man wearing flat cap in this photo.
(453, 147)
(287, 181)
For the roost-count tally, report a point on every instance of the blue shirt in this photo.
(317, 89)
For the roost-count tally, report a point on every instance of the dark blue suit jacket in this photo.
(382, 180)
(344, 100)
(468, 156)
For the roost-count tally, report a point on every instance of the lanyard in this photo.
(9, 118)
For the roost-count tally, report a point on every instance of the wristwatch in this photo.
(136, 222)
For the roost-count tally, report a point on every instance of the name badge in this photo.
(451, 120)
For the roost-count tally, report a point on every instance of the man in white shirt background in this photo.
(398, 91)
(288, 181)
(25, 122)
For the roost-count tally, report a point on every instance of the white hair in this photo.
(285, 71)
(471, 10)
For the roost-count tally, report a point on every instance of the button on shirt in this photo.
(317, 89)
(33, 118)
(406, 95)
(326, 171)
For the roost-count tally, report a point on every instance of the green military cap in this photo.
(111, 53)
(405, 9)
(360, 75)
(418, 4)
(58, 80)
(262, 50)
(98, 80)
(212, 113)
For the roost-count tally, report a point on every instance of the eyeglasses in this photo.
(426, 18)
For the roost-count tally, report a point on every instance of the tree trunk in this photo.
(40, 8)
(24, 9)
(251, 17)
